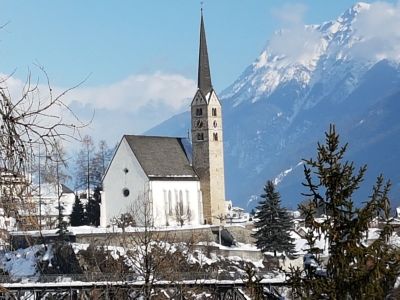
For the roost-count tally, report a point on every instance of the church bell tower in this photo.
(207, 139)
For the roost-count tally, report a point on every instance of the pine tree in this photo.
(77, 217)
(274, 223)
(62, 229)
(354, 270)
(93, 208)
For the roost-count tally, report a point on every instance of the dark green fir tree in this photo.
(77, 217)
(93, 208)
(62, 225)
(355, 269)
(273, 223)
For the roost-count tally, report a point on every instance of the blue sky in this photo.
(142, 50)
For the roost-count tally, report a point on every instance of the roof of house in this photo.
(163, 157)
(66, 190)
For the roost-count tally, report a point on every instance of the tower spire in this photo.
(207, 139)
(204, 76)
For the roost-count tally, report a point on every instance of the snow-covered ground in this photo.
(22, 263)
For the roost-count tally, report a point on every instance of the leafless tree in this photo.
(52, 175)
(182, 215)
(221, 220)
(154, 253)
(84, 167)
(252, 282)
(55, 166)
(145, 244)
(91, 163)
(30, 124)
(100, 162)
(124, 220)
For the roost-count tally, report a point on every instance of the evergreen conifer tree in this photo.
(62, 225)
(77, 217)
(274, 223)
(93, 208)
(354, 269)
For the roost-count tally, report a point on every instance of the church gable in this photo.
(198, 99)
(122, 152)
(213, 99)
(214, 108)
(123, 183)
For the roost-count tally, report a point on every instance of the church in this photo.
(178, 182)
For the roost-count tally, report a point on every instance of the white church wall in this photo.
(166, 196)
(124, 173)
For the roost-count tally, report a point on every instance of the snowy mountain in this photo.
(345, 72)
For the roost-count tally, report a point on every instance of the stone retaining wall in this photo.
(190, 236)
(243, 254)
(241, 233)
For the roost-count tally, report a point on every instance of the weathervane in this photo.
(201, 6)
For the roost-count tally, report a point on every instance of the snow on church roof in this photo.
(162, 157)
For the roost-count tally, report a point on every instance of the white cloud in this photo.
(296, 42)
(130, 106)
(299, 44)
(378, 31)
(138, 91)
(290, 13)
(376, 35)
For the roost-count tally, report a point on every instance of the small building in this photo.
(235, 214)
(153, 171)
(14, 188)
(42, 211)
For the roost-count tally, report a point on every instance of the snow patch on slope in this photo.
(278, 179)
(320, 54)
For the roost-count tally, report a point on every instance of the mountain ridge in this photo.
(279, 108)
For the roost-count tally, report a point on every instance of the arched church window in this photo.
(214, 112)
(215, 136)
(170, 202)
(199, 124)
(199, 111)
(187, 200)
(180, 196)
(176, 197)
(187, 196)
(215, 124)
